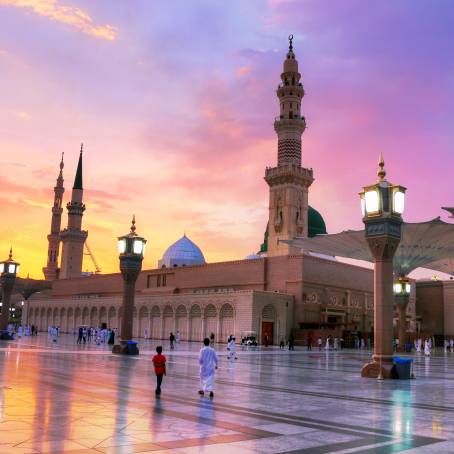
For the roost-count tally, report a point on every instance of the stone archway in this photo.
(55, 317)
(168, 322)
(227, 321)
(102, 316)
(94, 317)
(195, 320)
(70, 325)
(85, 316)
(143, 323)
(211, 321)
(77, 317)
(111, 318)
(63, 321)
(181, 322)
(155, 324)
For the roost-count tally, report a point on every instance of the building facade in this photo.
(276, 293)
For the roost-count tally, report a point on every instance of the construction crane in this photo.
(97, 268)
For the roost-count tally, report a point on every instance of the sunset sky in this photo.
(175, 100)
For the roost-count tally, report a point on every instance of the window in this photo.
(158, 281)
(164, 280)
(148, 280)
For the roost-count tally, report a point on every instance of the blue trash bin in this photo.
(132, 348)
(403, 367)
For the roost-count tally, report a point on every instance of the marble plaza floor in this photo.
(62, 397)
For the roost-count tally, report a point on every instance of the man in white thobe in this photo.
(231, 347)
(208, 361)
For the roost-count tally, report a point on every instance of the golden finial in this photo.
(290, 43)
(133, 224)
(81, 147)
(381, 168)
(10, 253)
(62, 164)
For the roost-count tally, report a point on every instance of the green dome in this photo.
(316, 223)
(316, 227)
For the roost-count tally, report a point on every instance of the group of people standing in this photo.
(98, 335)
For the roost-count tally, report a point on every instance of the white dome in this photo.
(252, 256)
(183, 252)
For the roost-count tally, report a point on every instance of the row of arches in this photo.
(193, 323)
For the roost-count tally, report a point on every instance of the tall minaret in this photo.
(51, 269)
(288, 182)
(73, 237)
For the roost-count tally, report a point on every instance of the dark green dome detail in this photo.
(316, 226)
(264, 245)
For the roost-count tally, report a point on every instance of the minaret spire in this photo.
(288, 181)
(381, 168)
(51, 269)
(73, 237)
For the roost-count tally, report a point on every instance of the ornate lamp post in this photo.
(131, 248)
(402, 288)
(8, 271)
(382, 206)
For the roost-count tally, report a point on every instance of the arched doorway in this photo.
(111, 318)
(268, 324)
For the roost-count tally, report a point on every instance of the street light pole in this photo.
(8, 269)
(131, 248)
(402, 288)
(382, 206)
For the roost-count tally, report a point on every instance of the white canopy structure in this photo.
(423, 244)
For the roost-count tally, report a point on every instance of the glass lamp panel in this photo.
(138, 247)
(407, 288)
(372, 201)
(397, 288)
(399, 202)
(122, 246)
(363, 206)
(17, 269)
(143, 248)
(11, 268)
(2, 267)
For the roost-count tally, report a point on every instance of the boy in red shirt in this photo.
(159, 362)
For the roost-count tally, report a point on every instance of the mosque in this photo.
(277, 292)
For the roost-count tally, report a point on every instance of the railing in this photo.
(294, 117)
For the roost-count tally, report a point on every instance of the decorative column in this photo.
(382, 206)
(131, 248)
(8, 271)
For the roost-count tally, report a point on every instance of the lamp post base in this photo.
(378, 369)
(126, 348)
(6, 335)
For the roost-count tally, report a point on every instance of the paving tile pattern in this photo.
(80, 399)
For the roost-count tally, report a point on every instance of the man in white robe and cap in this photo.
(208, 361)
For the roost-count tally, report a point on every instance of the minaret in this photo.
(288, 182)
(73, 237)
(51, 270)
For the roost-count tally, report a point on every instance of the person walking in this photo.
(231, 347)
(159, 363)
(80, 335)
(212, 339)
(172, 340)
(309, 343)
(291, 342)
(208, 362)
(319, 343)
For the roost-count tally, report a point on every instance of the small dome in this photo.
(316, 224)
(252, 256)
(183, 252)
